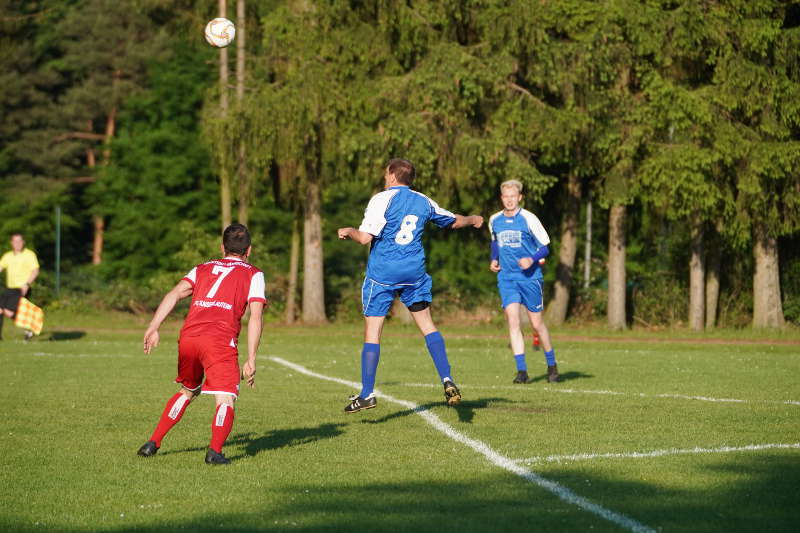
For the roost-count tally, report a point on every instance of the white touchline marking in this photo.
(495, 458)
(654, 453)
(616, 393)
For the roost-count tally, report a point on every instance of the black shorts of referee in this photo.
(9, 299)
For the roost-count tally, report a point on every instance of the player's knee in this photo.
(227, 399)
(418, 306)
(513, 321)
(190, 394)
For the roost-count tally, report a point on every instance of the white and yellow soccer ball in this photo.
(220, 32)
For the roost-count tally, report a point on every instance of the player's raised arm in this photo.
(361, 237)
(254, 328)
(476, 221)
(179, 292)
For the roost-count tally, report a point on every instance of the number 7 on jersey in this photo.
(220, 271)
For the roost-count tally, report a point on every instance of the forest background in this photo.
(658, 141)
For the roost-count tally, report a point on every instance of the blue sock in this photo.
(551, 357)
(370, 355)
(435, 344)
(521, 365)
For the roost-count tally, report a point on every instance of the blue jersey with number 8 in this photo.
(396, 219)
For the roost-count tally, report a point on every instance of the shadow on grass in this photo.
(280, 438)
(566, 376)
(66, 335)
(271, 440)
(466, 409)
(751, 492)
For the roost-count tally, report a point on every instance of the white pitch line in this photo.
(495, 458)
(654, 453)
(615, 393)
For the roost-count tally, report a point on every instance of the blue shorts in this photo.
(526, 292)
(377, 298)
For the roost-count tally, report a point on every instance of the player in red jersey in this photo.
(221, 291)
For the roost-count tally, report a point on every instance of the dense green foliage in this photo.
(685, 110)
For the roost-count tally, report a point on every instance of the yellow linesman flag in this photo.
(29, 316)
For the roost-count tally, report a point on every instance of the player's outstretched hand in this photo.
(151, 339)
(344, 233)
(477, 221)
(494, 266)
(249, 373)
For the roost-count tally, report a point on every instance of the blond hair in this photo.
(511, 183)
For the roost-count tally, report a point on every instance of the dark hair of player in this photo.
(404, 172)
(236, 239)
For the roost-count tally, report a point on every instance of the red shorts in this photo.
(212, 357)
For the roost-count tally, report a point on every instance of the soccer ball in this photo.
(220, 32)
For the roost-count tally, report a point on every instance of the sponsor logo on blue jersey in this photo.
(517, 237)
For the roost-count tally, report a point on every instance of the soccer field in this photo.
(641, 435)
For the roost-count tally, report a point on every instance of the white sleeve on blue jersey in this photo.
(441, 217)
(491, 224)
(375, 214)
(537, 230)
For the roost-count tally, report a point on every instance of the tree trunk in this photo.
(240, 52)
(98, 223)
(587, 250)
(224, 177)
(313, 286)
(557, 310)
(242, 174)
(244, 187)
(616, 267)
(696, 275)
(767, 307)
(712, 282)
(294, 259)
(97, 244)
(111, 128)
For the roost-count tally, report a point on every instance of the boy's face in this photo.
(511, 198)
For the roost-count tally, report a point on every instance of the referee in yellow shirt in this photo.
(22, 267)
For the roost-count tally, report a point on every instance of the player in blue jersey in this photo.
(519, 243)
(393, 223)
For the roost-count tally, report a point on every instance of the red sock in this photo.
(172, 414)
(221, 426)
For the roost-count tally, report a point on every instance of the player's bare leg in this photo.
(436, 347)
(517, 342)
(2, 314)
(537, 321)
(173, 412)
(370, 356)
(220, 429)
(514, 328)
(373, 328)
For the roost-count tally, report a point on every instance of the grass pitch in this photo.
(689, 435)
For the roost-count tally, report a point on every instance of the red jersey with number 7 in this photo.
(221, 291)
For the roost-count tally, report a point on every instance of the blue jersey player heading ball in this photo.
(519, 243)
(393, 223)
